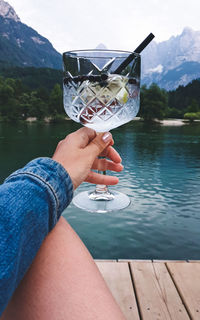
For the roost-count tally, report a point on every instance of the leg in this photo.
(63, 283)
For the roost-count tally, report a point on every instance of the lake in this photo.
(161, 176)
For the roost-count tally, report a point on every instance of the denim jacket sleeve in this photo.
(31, 201)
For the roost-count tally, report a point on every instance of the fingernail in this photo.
(107, 137)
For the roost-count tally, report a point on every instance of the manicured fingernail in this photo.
(107, 137)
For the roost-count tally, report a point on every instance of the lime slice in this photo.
(122, 96)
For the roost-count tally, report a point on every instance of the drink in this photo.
(101, 102)
(101, 96)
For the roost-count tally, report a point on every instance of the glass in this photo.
(98, 98)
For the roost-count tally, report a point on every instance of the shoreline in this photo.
(164, 122)
(170, 122)
(173, 122)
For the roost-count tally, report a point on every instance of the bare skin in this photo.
(78, 154)
(63, 281)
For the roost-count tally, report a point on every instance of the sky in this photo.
(118, 24)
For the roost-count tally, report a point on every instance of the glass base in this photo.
(86, 200)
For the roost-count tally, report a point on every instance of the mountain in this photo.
(173, 62)
(169, 63)
(101, 46)
(21, 45)
(170, 79)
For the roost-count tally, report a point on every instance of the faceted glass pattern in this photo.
(94, 95)
(97, 96)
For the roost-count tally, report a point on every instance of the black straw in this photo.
(139, 49)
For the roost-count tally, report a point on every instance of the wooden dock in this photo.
(154, 290)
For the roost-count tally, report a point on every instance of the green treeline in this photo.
(20, 103)
(34, 92)
(32, 78)
(184, 102)
(30, 92)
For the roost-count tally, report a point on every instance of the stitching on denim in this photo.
(44, 181)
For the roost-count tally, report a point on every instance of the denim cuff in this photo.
(54, 177)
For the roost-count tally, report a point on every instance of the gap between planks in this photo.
(164, 296)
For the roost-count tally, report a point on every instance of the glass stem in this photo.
(101, 191)
(101, 188)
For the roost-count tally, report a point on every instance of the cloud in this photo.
(118, 24)
(157, 69)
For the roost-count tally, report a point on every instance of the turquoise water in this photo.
(161, 175)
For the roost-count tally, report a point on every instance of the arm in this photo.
(33, 198)
(31, 202)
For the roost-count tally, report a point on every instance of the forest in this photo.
(37, 92)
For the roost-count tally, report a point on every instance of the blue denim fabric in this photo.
(31, 202)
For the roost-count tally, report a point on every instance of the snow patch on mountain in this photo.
(19, 42)
(7, 11)
(173, 62)
(5, 35)
(37, 40)
(22, 45)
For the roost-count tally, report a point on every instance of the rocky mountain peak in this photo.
(7, 12)
(173, 62)
(23, 46)
(101, 46)
(188, 30)
(173, 52)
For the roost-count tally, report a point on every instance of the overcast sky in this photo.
(119, 24)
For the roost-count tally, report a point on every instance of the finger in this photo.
(112, 154)
(98, 178)
(98, 144)
(81, 137)
(104, 164)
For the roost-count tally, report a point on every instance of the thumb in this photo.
(99, 143)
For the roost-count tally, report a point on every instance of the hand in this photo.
(78, 154)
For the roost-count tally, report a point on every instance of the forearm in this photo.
(31, 201)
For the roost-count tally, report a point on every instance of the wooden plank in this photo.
(187, 279)
(118, 279)
(103, 260)
(130, 260)
(156, 294)
(164, 261)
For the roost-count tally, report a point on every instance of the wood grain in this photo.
(157, 296)
(118, 279)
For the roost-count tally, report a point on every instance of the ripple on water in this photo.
(161, 176)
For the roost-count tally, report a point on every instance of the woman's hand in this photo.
(79, 151)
